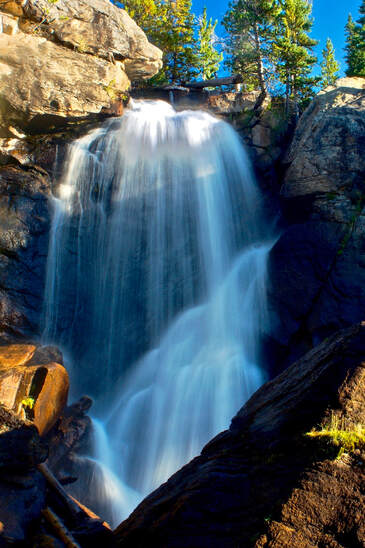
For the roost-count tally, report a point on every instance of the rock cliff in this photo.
(317, 268)
(65, 61)
(265, 482)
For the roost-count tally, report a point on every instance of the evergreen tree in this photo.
(170, 25)
(178, 40)
(143, 12)
(208, 58)
(355, 44)
(329, 65)
(293, 48)
(251, 28)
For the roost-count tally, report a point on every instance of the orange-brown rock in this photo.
(15, 354)
(34, 391)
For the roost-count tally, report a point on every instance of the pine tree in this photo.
(177, 40)
(208, 58)
(329, 65)
(355, 44)
(143, 12)
(170, 25)
(293, 48)
(251, 28)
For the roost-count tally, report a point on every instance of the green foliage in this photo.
(110, 89)
(208, 58)
(293, 51)
(329, 65)
(355, 44)
(170, 25)
(28, 403)
(251, 26)
(269, 45)
(81, 46)
(336, 434)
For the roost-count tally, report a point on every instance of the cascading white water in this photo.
(156, 287)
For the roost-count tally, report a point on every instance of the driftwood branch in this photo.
(73, 508)
(59, 528)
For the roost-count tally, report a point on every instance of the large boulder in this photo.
(327, 152)
(48, 85)
(33, 390)
(101, 28)
(317, 267)
(264, 482)
(80, 58)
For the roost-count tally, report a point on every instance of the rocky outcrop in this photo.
(31, 388)
(326, 155)
(80, 58)
(24, 226)
(50, 84)
(34, 508)
(317, 267)
(264, 482)
(22, 488)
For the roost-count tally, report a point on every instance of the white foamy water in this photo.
(156, 289)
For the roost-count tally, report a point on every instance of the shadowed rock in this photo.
(264, 481)
(317, 268)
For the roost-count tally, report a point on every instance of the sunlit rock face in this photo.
(80, 56)
(32, 384)
(156, 290)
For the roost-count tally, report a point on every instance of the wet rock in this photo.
(71, 432)
(20, 444)
(24, 226)
(263, 481)
(21, 505)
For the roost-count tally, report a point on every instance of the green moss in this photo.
(336, 435)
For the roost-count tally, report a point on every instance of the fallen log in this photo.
(59, 528)
(215, 82)
(74, 509)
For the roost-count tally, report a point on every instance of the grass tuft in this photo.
(337, 435)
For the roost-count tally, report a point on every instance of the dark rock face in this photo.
(24, 227)
(263, 481)
(22, 489)
(317, 268)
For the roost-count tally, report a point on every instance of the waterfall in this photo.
(155, 288)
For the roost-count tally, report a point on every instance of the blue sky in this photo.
(330, 18)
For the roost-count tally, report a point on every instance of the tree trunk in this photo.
(260, 70)
(287, 94)
(260, 64)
